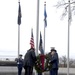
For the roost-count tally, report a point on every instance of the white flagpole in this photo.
(44, 37)
(44, 25)
(68, 50)
(69, 23)
(44, 30)
(18, 0)
(37, 27)
(44, 41)
(18, 40)
(37, 30)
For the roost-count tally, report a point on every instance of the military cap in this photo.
(53, 49)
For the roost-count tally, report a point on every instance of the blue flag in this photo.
(19, 14)
(45, 15)
(40, 45)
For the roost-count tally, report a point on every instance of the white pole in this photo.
(44, 37)
(68, 51)
(44, 28)
(37, 30)
(45, 16)
(37, 27)
(44, 41)
(69, 23)
(18, 40)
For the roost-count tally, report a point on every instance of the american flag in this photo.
(32, 39)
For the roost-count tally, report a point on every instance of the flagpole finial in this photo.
(18, 1)
(45, 3)
(68, 0)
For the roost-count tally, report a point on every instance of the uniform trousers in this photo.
(53, 72)
(19, 71)
(39, 73)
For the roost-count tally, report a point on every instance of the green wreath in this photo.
(38, 65)
(48, 65)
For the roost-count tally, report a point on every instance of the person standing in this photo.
(29, 61)
(20, 64)
(55, 61)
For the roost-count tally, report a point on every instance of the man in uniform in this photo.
(55, 61)
(20, 64)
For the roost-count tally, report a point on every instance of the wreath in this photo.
(38, 65)
(48, 64)
(43, 63)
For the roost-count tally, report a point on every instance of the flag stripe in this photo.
(32, 39)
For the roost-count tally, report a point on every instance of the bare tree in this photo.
(65, 4)
(72, 63)
(63, 61)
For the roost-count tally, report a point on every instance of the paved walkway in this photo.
(61, 71)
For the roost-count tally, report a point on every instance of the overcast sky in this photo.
(56, 30)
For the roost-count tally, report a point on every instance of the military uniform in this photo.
(20, 65)
(55, 61)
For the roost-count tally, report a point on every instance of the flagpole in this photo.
(37, 30)
(18, 37)
(44, 41)
(18, 40)
(45, 23)
(44, 28)
(37, 27)
(68, 49)
(69, 23)
(44, 37)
